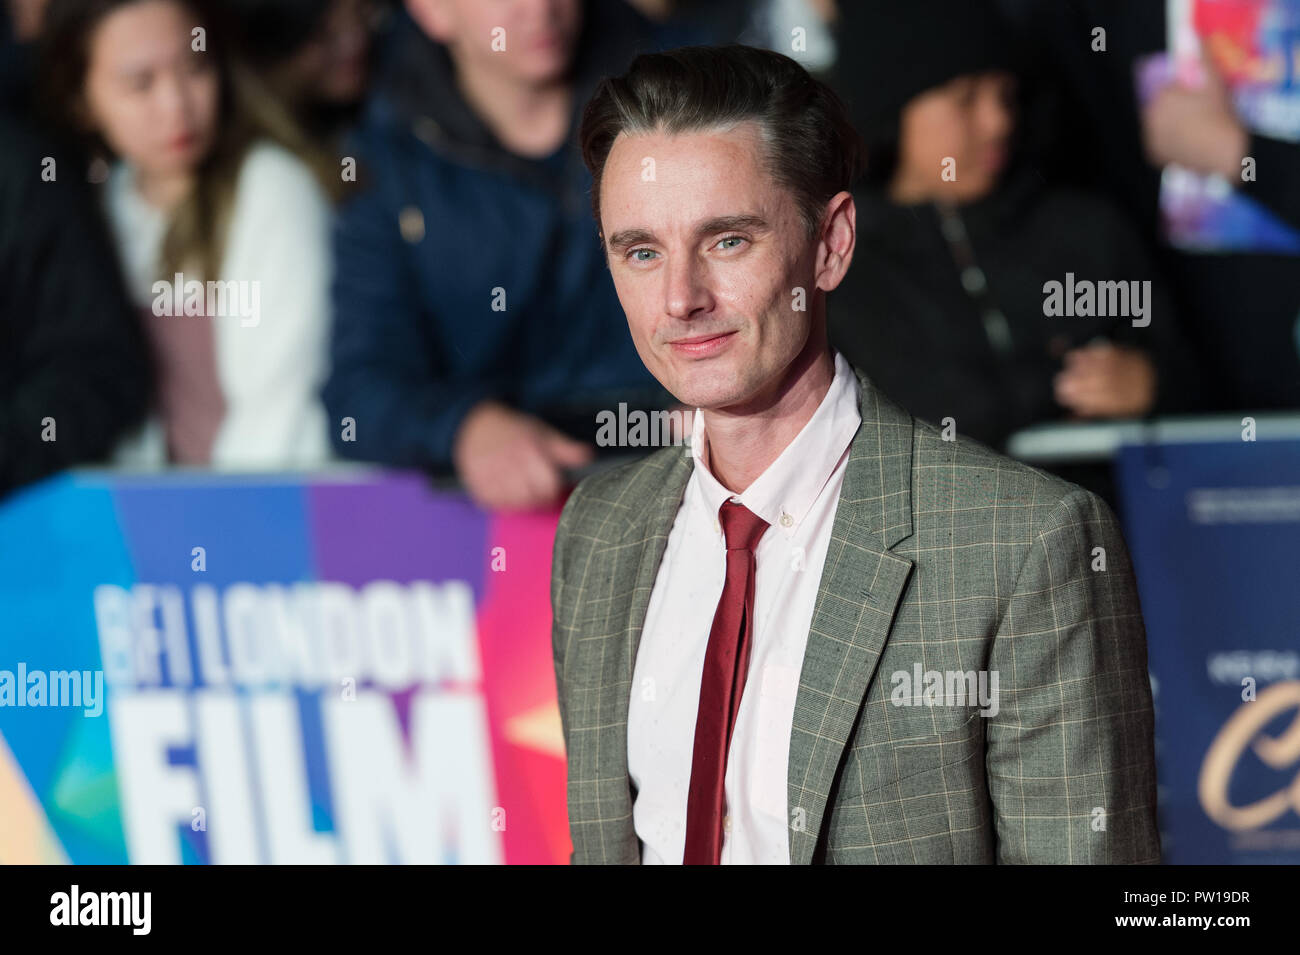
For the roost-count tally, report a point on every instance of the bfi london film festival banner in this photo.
(1214, 530)
(199, 669)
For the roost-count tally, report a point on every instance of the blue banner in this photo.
(1214, 531)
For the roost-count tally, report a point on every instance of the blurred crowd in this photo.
(274, 234)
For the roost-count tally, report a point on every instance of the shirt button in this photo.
(786, 519)
(726, 823)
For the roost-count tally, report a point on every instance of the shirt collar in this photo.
(784, 493)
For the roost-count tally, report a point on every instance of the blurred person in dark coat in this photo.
(476, 328)
(20, 22)
(949, 305)
(74, 363)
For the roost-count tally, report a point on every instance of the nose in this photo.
(535, 12)
(173, 98)
(686, 293)
(996, 120)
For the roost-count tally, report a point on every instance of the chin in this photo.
(702, 390)
(545, 68)
(974, 190)
(178, 163)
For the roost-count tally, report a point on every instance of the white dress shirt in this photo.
(797, 496)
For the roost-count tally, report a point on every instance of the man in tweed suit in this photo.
(825, 632)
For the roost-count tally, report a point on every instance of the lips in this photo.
(995, 158)
(698, 339)
(702, 345)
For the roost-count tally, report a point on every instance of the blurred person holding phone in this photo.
(1240, 307)
(221, 231)
(948, 306)
(1197, 127)
(476, 329)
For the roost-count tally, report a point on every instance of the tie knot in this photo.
(741, 526)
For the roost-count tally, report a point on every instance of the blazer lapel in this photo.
(633, 558)
(860, 588)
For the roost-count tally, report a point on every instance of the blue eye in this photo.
(731, 238)
(636, 252)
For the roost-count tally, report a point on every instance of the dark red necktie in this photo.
(726, 662)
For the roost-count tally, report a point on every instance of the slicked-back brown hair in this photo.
(811, 147)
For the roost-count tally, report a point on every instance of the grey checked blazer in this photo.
(942, 554)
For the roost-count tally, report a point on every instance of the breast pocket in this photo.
(916, 765)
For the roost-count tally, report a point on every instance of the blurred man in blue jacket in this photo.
(476, 327)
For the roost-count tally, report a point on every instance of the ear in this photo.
(434, 17)
(838, 237)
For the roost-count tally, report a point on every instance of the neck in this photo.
(528, 119)
(163, 191)
(743, 441)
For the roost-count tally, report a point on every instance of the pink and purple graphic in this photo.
(1254, 46)
(210, 669)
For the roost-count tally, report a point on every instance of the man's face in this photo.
(707, 252)
(528, 41)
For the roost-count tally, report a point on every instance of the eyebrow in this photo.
(626, 238)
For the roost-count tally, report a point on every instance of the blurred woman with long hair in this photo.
(221, 229)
